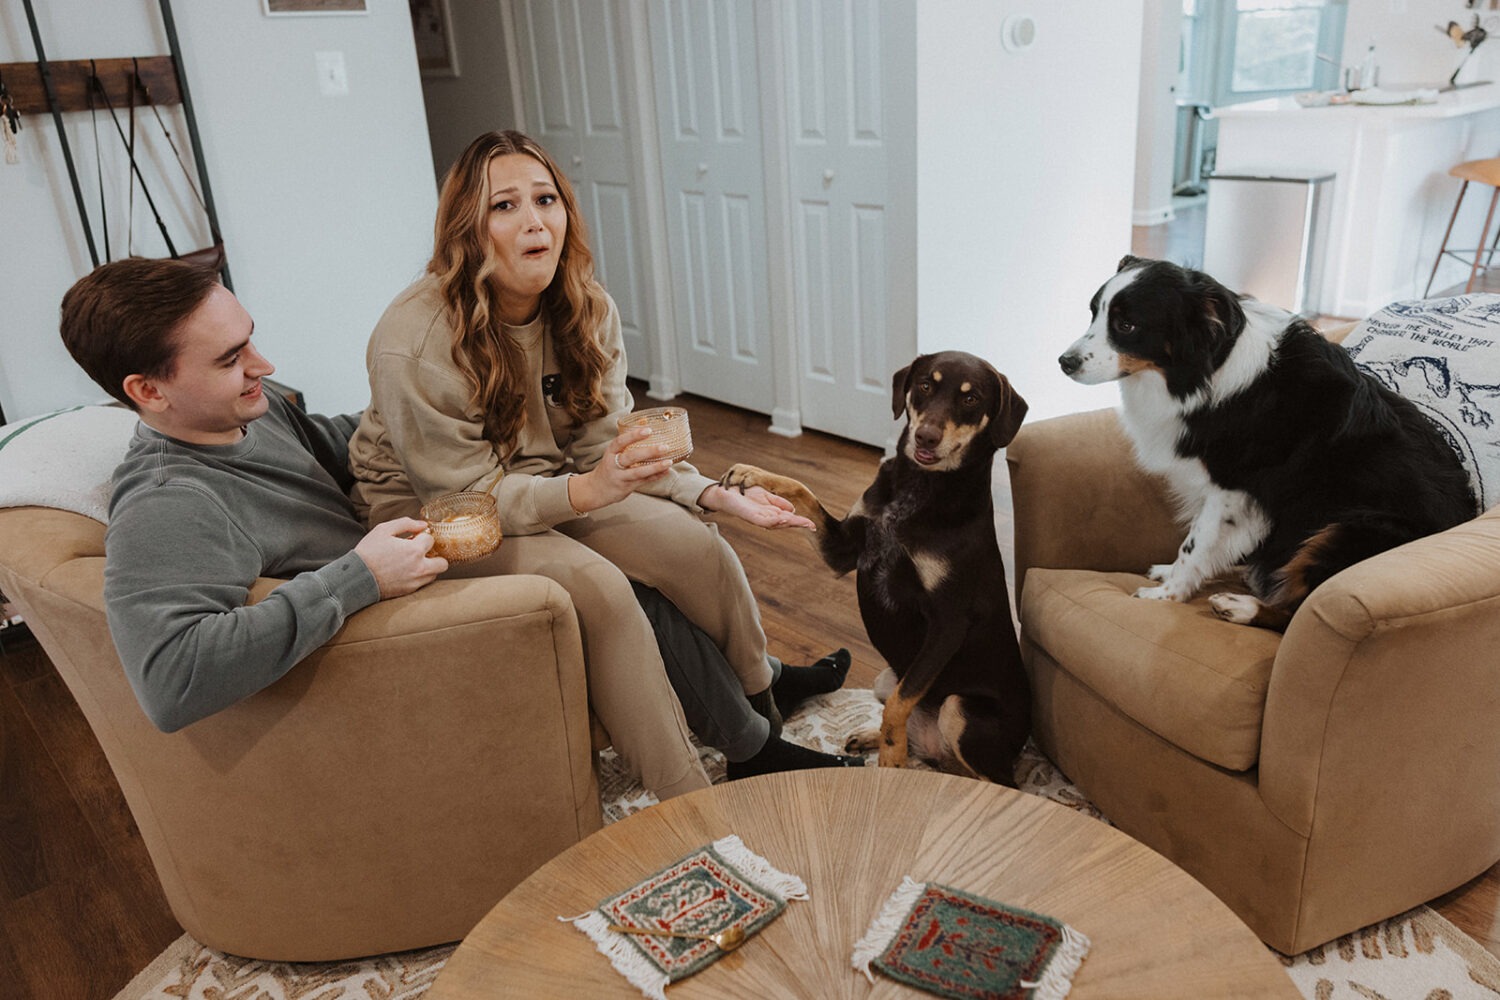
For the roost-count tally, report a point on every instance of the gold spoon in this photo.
(726, 940)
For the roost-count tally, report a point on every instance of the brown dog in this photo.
(930, 579)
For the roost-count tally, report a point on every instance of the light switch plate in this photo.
(333, 78)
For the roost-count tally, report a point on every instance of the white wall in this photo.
(325, 203)
(1025, 171)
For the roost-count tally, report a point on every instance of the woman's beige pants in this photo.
(663, 545)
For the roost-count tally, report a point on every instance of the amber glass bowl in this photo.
(465, 526)
(669, 426)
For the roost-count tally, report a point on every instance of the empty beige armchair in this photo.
(1318, 781)
(383, 795)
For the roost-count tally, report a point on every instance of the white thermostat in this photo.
(1017, 32)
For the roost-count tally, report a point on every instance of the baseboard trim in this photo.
(787, 423)
(1153, 216)
(663, 388)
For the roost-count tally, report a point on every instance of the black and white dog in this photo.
(1281, 454)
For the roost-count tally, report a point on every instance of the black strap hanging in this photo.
(62, 135)
(99, 158)
(187, 174)
(212, 256)
(169, 23)
(130, 148)
(135, 168)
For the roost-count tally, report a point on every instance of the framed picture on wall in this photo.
(277, 8)
(432, 25)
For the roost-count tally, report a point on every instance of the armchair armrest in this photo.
(1386, 677)
(1082, 502)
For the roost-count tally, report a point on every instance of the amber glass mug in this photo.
(669, 426)
(465, 526)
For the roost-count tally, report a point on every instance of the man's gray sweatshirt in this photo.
(190, 529)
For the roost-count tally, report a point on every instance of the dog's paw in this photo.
(1237, 608)
(1159, 572)
(1162, 593)
(893, 755)
(741, 477)
(863, 741)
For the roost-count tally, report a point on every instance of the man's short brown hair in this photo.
(122, 318)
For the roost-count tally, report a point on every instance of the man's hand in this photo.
(755, 505)
(396, 553)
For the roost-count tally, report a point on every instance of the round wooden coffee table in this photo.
(851, 835)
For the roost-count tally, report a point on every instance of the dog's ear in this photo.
(900, 384)
(1223, 316)
(1008, 415)
(1129, 260)
(1204, 334)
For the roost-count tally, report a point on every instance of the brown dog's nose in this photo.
(1070, 362)
(928, 436)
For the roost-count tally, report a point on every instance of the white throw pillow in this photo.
(64, 459)
(1444, 355)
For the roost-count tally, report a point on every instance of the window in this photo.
(1246, 50)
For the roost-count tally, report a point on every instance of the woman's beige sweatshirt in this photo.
(421, 435)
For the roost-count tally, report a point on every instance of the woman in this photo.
(503, 368)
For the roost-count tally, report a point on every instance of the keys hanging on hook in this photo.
(10, 124)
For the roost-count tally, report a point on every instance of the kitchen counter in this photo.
(1392, 196)
(1469, 100)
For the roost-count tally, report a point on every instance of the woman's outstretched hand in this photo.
(614, 478)
(756, 505)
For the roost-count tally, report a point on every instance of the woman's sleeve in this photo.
(682, 484)
(438, 441)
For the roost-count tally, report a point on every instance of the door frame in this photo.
(776, 156)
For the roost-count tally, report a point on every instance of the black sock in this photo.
(797, 684)
(779, 755)
(764, 702)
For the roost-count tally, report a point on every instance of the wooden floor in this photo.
(80, 909)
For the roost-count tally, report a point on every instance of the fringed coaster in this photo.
(958, 945)
(718, 886)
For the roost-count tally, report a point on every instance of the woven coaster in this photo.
(718, 886)
(958, 945)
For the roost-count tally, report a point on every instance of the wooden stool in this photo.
(1485, 172)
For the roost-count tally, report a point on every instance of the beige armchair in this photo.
(383, 795)
(1318, 781)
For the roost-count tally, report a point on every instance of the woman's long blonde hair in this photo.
(574, 305)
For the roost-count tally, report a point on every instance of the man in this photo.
(226, 482)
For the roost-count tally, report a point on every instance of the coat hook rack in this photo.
(71, 82)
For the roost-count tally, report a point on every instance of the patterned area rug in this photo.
(1415, 956)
